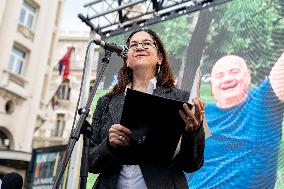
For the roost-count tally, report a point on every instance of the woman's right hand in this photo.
(118, 135)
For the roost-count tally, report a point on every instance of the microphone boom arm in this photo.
(79, 129)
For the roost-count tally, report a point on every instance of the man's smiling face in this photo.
(230, 81)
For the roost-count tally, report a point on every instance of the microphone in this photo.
(12, 180)
(121, 50)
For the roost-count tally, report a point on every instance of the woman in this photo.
(145, 69)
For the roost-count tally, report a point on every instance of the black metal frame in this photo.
(120, 15)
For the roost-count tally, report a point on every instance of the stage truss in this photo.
(112, 17)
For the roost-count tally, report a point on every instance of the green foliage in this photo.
(100, 92)
(175, 34)
(205, 93)
(91, 180)
(246, 29)
(118, 39)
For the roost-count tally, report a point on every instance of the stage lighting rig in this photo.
(116, 15)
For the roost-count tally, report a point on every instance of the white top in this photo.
(130, 176)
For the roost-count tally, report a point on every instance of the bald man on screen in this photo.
(246, 128)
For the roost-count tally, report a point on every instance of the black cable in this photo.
(80, 91)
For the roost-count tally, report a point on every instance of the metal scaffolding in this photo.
(111, 17)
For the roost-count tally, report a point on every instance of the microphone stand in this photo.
(82, 128)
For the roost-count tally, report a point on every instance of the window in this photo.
(27, 15)
(4, 141)
(17, 60)
(60, 125)
(64, 90)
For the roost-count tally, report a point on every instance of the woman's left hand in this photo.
(192, 119)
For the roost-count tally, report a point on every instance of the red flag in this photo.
(65, 61)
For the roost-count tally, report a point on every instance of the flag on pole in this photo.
(65, 62)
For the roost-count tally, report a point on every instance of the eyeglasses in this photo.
(146, 44)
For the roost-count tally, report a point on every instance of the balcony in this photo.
(14, 84)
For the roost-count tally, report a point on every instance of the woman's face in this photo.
(143, 53)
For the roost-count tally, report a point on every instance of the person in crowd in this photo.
(146, 69)
(245, 125)
(12, 180)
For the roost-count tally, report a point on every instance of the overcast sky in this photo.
(70, 20)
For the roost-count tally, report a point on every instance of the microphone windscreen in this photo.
(12, 180)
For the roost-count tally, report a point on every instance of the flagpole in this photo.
(74, 167)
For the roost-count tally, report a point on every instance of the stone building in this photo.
(28, 35)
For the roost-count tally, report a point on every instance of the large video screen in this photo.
(231, 56)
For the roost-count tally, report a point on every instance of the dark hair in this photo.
(165, 77)
(12, 180)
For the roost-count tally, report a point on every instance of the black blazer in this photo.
(103, 158)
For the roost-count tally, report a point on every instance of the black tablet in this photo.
(156, 128)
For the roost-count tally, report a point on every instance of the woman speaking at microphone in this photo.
(146, 69)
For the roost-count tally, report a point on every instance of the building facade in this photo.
(28, 35)
(59, 97)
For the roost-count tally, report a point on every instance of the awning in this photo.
(15, 159)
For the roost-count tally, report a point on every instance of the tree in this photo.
(246, 29)
(195, 48)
